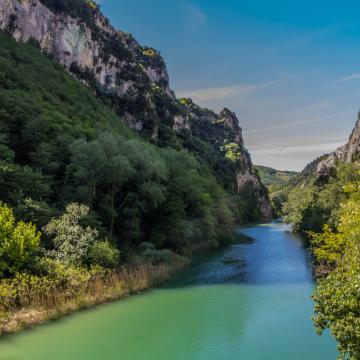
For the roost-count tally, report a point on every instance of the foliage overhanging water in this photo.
(248, 301)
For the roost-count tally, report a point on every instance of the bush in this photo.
(104, 254)
(145, 246)
(153, 256)
(18, 243)
(72, 240)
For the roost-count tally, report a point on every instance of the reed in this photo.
(29, 300)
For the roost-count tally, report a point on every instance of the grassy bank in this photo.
(30, 300)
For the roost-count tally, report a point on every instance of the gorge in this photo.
(111, 186)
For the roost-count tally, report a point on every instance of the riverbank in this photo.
(221, 307)
(26, 302)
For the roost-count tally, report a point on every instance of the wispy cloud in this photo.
(326, 147)
(310, 120)
(195, 17)
(323, 105)
(355, 76)
(226, 92)
(331, 29)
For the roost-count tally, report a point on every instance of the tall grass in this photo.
(30, 300)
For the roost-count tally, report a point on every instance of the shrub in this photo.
(104, 254)
(18, 243)
(72, 240)
(153, 256)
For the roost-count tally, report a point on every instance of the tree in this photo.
(87, 168)
(328, 248)
(72, 240)
(337, 295)
(312, 205)
(19, 242)
(117, 168)
(146, 190)
(17, 182)
(301, 209)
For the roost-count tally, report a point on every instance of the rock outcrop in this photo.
(132, 78)
(348, 153)
(95, 46)
(225, 134)
(86, 44)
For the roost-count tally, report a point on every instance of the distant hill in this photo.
(271, 176)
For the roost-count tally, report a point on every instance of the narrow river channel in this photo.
(249, 301)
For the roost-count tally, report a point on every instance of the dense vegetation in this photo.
(149, 103)
(278, 183)
(310, 204)
(274, 179)
(337, 295)
(327, 210)
(80, 192)
(62, 145)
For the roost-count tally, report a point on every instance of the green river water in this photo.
(249, 301)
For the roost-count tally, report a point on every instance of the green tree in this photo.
(19, 242)
(87, 168)
(309, 206)
(117, 168)
(337, 295)
(72, 240)
(146, 189)
(18, 182)
(301, 209)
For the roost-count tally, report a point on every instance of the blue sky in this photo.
(290, 70)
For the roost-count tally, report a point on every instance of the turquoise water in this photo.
(248, 301)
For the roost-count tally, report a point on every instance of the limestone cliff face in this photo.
(102, 49)
(132, 77)
(348, 153)
(94, 51)
(225, 134)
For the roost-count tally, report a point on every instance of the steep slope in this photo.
(134, 81)
(60, 144)
(223, 132)
(80, 38)
(315, 195)
(348, 153)
(323, 167)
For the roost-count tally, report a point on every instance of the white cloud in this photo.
(226, 92)
(355, 76)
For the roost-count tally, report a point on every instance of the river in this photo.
(250, 301)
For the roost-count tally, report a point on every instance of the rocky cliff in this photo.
(81, 38)
(225, 134)
(133, 79)
(348, 153)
